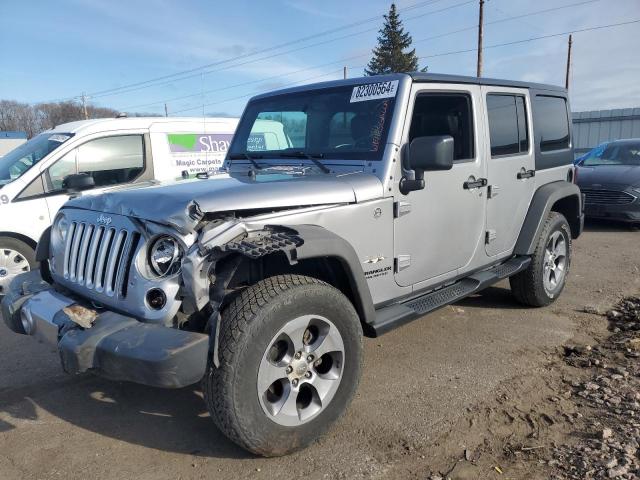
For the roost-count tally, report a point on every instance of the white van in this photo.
(113, 151)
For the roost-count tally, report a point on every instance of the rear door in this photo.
(511, 166)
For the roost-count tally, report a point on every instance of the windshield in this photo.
(627, 153)
(334, 123)
(21, 159)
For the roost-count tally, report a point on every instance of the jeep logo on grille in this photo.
(103, 220)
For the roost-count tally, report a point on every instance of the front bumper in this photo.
(625, 213)
(116, 346)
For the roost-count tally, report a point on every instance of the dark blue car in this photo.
(609, 176)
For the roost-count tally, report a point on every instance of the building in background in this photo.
(593, 128)
(10, 140)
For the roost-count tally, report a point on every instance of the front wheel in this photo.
(16, 257)
(544, 279)
(290, 352)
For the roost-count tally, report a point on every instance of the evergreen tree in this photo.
(389, 56)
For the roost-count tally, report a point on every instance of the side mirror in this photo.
(78, 182)
(433, 153)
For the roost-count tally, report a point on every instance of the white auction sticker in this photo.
(374, 91)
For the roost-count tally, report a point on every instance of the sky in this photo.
(59, 50)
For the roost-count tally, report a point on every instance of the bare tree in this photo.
(33, 119)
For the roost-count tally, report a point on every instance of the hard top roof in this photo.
(416, 77)
(445, 78)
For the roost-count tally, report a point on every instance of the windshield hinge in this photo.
(401, 208)
(402, 262)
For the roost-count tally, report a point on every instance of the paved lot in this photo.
(418, 381)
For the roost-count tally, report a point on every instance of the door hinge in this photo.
(490, 236)
(493, 191)
(401, 208)
(402, 262)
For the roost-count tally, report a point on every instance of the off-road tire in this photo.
(528, 285)
(247, 325)
(13, 244)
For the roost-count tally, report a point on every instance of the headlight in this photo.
(62, 227)
(165, 256)
(637, 190)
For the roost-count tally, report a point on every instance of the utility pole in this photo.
(84, 106)
(566, 78)
(344, 72)
(480, 22)
(166, 112)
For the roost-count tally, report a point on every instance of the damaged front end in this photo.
(223, 247)
(115, 309)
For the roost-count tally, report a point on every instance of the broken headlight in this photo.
(165, 256)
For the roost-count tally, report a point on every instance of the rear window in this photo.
(552, 122)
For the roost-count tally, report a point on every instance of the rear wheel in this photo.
(15, 257)
(544, 279)
(290, 352)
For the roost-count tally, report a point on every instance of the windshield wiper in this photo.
(309, 156)
(246, 156)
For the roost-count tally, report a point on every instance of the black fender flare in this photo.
(542, 203)
(322, 243)
(42, 247)
(316, 242)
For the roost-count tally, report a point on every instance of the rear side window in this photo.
(507, 124)
(552, 122)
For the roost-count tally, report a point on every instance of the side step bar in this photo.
(396, 315)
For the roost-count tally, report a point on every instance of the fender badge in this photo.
(377, 213)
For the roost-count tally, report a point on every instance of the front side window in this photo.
(507, 124)
(15, 163)
(437, 114)
(346, 122)
(109, 160)
(552, 121)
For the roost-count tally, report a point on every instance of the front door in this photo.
(111, 161)
(511, 166)
(439, 229)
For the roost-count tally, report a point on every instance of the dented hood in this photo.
(180, 204)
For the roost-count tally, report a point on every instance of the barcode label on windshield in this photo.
(374, 91)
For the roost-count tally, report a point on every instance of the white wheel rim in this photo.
(12, 263)
(300, 370)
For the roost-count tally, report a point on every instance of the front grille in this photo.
(607, 197)
(98, 257)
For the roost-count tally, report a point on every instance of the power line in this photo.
(347, 59)
(229, 87)
(258, 93)
(141, 87)
(515, 42)
(264, 50)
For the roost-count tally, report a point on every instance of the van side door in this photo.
(511, 166)
(439, 229)
(111, 160)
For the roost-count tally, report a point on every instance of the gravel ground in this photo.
(481, 389)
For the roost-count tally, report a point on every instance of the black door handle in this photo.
(479, 183)
(527, 174)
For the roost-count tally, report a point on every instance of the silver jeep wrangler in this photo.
(371, 202)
